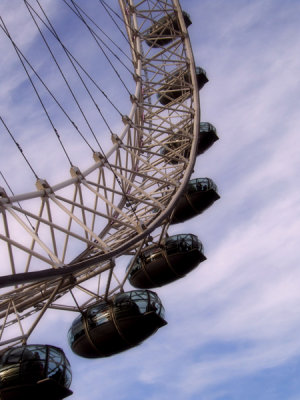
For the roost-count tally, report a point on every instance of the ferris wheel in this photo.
(63, 245)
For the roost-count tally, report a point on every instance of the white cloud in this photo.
(237, 315)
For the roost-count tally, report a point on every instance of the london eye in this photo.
(99, 175)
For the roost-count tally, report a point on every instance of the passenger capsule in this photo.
(207, 137)
(200, 194)
(165, 30)
(179, 84)
(34, 372)
(178, 145)
(160, 265)
(110, 327)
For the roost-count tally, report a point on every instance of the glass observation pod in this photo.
(178, 141)
(109, 327)
(200, 194)
(34, 372)
(158, 266)
(207, 137)
(165, 30)
(179, 83)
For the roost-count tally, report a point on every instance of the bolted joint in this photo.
(135, 32)
(70, 280)
(126, 120)
(115, 138)
(133, 99)
(3, 194)
(131, 9)
(76, 173)
(98, 156)
(42, 184)
(142, 225)
(137, 78)
(149, 239)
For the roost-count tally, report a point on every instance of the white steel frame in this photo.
(90, 211)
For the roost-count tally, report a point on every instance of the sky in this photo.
(233, 323)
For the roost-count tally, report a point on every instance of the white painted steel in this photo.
(121, 221)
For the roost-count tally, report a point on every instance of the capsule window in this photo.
(200, 184)
(98, 315)
(77, 330)
(206, 127)
(14, 356)
(141, 299)
(156, 305)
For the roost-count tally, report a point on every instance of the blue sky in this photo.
(233, 324)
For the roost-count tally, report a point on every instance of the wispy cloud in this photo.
(237, 315)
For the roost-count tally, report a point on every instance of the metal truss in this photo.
(60, 245)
